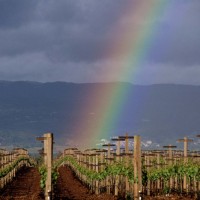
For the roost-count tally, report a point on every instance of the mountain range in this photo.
(161, 112)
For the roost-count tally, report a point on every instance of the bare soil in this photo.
(26, 186)
(70, 188)
(171, 197)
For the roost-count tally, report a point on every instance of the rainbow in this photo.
(130, 44)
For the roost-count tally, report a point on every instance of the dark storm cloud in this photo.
(177, 40)
(60, 11)
(16, 13)
(50, 40)
(83, 28)
(64, 30)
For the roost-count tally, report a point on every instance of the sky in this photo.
(69, 40)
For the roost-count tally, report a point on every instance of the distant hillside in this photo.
(160, 112)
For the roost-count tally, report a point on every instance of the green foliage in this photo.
(117, 168)
(190, 170)
(43, 174)
(9, 168)
(144, 175)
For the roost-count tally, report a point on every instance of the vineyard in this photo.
(116, 171)
(136, 174)
(11, 162)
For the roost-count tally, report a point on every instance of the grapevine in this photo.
(43, 174)
(10, 167)
(117, 168)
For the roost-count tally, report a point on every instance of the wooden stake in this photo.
(118, 140)
(49, 150)
(48, 156)
(185, 140)
(108, 180)
(126, 138)
(137, 166)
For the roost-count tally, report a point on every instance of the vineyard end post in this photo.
(49, 152)
(137, 166)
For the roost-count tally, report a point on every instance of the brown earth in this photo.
(172, 197)
(70, 188)
(25, 186)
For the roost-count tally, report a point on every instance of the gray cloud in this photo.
(53, 40)
(16, 13)
(177, 40)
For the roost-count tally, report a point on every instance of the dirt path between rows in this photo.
(70, 188)
(26, 186)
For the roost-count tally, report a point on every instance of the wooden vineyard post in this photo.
(158, 157)
(91, 153)
(6, 164)
(118, 140)
(147, 157)
(196, 184)
(95, 167)
(9, 162)
(89, 164)
(77, 156)
(63, 158)
(49, 150)
(185, 140)
(199, 181)
(108, 180)
(177, 159)
(126, 138)
(170, 159)
(97, 170)
(158, 166)
(48, 156)
(137, 166)
(45, 151)
(13, 159)
(3, 164)
(93, 164)
(1, 167)
(101, 165)
(83, 164)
